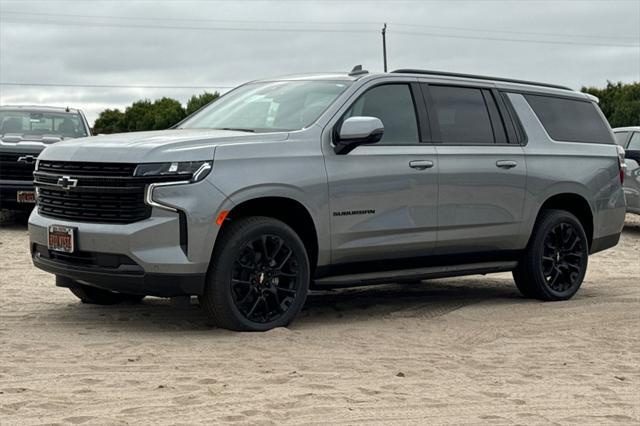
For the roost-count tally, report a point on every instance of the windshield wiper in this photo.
(237, 129)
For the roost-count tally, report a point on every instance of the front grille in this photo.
(103, 193)
(108, 207)
(11, 169)
(87, 169)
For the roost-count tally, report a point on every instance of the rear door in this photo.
(482, 172)
(384, 196)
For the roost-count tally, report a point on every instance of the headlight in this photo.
(192, 171)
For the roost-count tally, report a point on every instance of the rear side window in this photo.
(463, 115)
(570, 120)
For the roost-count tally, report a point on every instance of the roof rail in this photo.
(480, 77)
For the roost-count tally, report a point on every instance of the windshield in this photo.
(38, 124)
(268, 106)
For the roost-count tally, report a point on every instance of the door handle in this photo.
(421, 164)
(506, 164)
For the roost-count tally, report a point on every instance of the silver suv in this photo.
(333, 180)
(629, 139)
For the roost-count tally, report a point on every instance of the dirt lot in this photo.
(466, 350)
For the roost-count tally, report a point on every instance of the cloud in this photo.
(218, 45)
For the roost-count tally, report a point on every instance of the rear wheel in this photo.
(555, 262)
(259, 276)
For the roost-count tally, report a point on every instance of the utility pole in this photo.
(384, 46)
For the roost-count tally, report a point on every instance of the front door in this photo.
(384, 196)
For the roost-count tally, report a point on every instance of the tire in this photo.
(259, 276)
(98, 296)
(555, 261)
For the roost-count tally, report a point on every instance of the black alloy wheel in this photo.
(259, 275)
(563, 258)
(554, 263)
(265, 278)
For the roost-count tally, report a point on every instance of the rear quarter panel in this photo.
(586, 169)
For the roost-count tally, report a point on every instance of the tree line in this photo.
(619, 102)
(146, 115)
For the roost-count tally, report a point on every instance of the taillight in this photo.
(621, 164)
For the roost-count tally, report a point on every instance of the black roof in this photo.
(480, 77)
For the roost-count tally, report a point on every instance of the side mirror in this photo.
(357, 131)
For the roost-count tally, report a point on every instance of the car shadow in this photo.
(14, 219)
(631, 228)
(428, 299)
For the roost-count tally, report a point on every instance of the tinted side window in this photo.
(462, 115)
(621, 138)
(393, 105)
(634, 143)
(570, 120)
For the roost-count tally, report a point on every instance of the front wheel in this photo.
(259, 276)
(555, 261)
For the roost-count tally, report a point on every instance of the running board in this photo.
(386, 277)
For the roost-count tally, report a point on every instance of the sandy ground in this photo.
(464, 351)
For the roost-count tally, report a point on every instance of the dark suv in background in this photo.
(24, 132)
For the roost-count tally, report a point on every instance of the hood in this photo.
(152, 147)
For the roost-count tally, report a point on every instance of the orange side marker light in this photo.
(221, 217)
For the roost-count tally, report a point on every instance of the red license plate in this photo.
(61, 238)
(26, 197)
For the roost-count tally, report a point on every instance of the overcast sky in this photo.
(216, 44)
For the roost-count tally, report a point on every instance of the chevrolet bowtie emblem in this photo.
(66, 182)
(29, 159)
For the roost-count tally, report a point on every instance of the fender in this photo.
(535, 201)
(317, 209)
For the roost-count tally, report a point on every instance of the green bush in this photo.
(619, 102)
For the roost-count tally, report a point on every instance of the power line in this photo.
(517, 32)
(192, 28)
(518, 40)
(276, 22)
(112, 86)
(318, 30)
(146, 18)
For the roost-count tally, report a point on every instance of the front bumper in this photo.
(122, 278)
(168, 253)
(9, 191)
